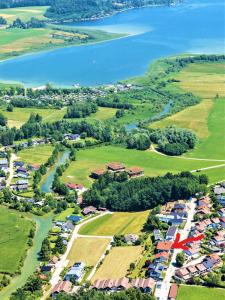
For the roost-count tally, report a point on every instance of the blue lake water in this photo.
(195, 26)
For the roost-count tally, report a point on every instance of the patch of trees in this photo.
(173, 140)
(2, 21)
(81, 110)
(82, 9)
(153, 221)
(32, 23)
(138, 140)
(113, 102)
(96, 295)
(3, 120)
(142, 193)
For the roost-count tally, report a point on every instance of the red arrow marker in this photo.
(181, 244)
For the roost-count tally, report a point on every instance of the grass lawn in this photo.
(200, 293)
(36, 155)
(24, 13)
(64, 214)
(20, 115)
(215, 175)
(13, 240)
(117, 262)
(104, 113)
(116, 223)
(153, 164)
(88, 250)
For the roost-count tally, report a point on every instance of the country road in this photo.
(63, 259)
(9, 179)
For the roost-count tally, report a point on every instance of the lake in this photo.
(195, 26)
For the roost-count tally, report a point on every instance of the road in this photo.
(9, 179)
(63, 259)
(162, 292)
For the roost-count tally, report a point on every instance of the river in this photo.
(46, 187)
(195, 26)
(44, 224)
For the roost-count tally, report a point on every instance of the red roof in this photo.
(164, 245)
(115, 166)
(99, 172)
(162, 254)
(75, 186)
(173, 291)
(135, 170)
(63, 286)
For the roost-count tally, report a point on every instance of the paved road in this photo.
(12, 159)
(162, 292)
(63, 259)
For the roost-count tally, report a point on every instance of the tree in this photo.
(2, 21)
(45, 250)
(180, 259)
(3, 120)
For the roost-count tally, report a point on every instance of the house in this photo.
(96, 174)
(61, 287)
(173, 218)
(164, 246)
(53, 261)
(222, 212)
(4, 163)
(113, 285)
(182, 274)
(18, 163)
(115, 167)
(171, 233)
(157, 235)
(47, 268)
(34, 167)
(75, 187)
(145, 285)
(173, 292)
(74, 219)
(221, 199)
(135, 172)
(192, 252)
(68, 226)
(131, 238)
(21, 170)
(76, 272)
(179, 207)
(89, 210)
(222, 222)
(157, 272)
(219, 189)
(161, 257)
(22, 184)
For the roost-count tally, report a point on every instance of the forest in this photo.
(115, 192)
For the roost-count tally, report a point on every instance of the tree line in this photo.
(115, 192)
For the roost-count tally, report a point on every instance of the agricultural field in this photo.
(154, 164)
(35, 155)
(103, 113)
(116, 264)
(199, 293)
(20, 115)
(116, 223)
(13, 240)
(206, 119)
(88, 250)
(24, 13)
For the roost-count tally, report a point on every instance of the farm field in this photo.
(117, 262)
(116, 223)
(36, 155)
(88, 250)
(205, 80)
(103, 113)
(200, 293)
(20, 115)
(154, 164)
(13, 240)
(24, 13)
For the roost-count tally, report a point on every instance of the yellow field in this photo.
(117, 262)
(194, 118)
(116, 223)
(203, 79)
(24, 13)
(87, 250)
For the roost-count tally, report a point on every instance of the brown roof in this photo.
(89, 209)
(182, 272)
(99, 172)
(115, 166)
(63, 286)
(164, 245)
(192, 269)
(162, 254)
(200, 267)
(143, 283)
(54, 260)
(173, 291)
(135, 170)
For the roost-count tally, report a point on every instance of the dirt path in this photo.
(9, 179)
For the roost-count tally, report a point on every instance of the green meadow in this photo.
(154, 164)
(20, 115)
(35, 155)
(13, 240)
(186, 292)
(24, 13)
